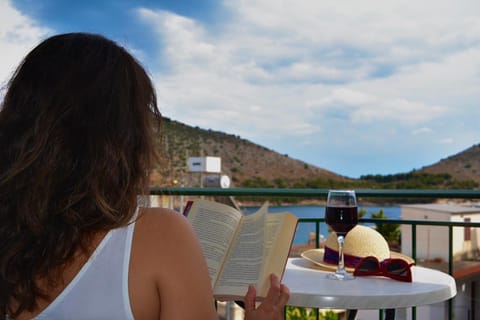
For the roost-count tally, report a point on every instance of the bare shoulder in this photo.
(165, 232)
(160, 214)
(161, 219)
(167, 258)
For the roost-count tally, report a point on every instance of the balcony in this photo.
(465, 268)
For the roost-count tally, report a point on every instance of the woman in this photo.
(77, 130)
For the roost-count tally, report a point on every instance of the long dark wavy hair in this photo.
(77, 129)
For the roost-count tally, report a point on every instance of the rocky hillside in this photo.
(464, 165)
(242, 160)
(248, 164)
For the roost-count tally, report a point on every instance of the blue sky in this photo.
(355, 87)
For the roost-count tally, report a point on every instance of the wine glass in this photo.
(341, 214)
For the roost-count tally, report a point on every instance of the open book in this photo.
(241, 249)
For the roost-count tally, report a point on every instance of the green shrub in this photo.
(298, 313)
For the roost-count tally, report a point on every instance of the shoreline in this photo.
(315, 202)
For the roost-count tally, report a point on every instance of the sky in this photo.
(354, 87)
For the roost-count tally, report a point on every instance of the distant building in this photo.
(432, 251)
(432, 241)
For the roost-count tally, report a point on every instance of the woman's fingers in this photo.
(272, 306)
(284, 295)
(250, 298)
(277, 295)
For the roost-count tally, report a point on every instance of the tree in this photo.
(390, 231)
(299, 313)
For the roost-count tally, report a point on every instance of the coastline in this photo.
(362, 202)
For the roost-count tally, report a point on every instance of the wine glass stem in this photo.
(341, 263)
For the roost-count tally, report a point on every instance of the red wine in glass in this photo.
(341, 214)
(341, 219)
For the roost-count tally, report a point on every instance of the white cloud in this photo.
(421, 131)
(380, 70)
(446, 141)
(361, 107)
(18, 35)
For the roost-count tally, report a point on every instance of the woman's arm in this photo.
(170, 253)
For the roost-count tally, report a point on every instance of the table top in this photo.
(309, 287)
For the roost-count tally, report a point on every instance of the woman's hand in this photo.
(272, 307)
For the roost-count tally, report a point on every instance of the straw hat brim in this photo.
(316, 256)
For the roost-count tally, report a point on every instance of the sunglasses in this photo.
(396, 269)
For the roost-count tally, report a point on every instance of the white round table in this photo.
(309, 287)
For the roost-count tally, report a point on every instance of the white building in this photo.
(432, 251)
(432, 241)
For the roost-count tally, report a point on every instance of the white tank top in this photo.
(100, 290)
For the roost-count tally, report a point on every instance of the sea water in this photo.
(317, 211)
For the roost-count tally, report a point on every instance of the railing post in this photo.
(414, 241)
(317, 245)
(450, 267)
(414, 256)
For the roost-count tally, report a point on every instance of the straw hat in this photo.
(360, 242)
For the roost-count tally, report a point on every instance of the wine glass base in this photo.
(340, 276)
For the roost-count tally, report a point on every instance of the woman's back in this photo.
(101, 284)
(158, 263)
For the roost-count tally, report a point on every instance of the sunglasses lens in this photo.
(368, 265)
(398, 268)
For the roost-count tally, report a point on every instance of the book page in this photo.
(272, 229)
(244, 263)
(280, 228)
(215, 225)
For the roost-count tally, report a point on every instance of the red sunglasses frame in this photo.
(382, 269)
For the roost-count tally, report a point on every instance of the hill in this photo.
(244, 162)
(251, 165)
(464, 165)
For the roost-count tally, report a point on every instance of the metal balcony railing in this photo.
(361, 194)
(318, 193)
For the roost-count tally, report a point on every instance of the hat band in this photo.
(330, 256)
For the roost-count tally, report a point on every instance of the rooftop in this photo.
(444, 207)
